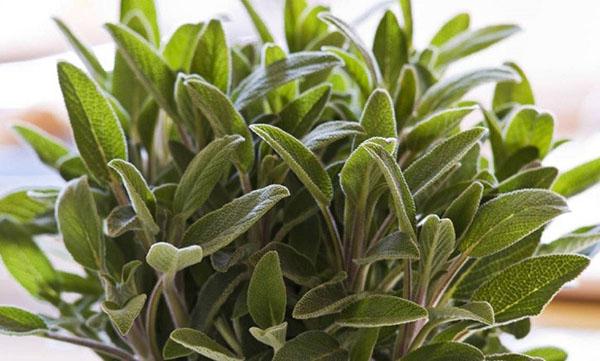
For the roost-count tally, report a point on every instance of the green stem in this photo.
(228, 335)
(391, 279)
(175, 303)
(338, 248)
(97, 346)
(245, 182)
(443, 284)
(151, 312)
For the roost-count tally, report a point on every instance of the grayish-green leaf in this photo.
(473, 311)
(273, 336)
(200, 343)
(178, 51)
(168, 259)
(577, 241)
(123, 317)
(211, 59)
(299, 116)
(266, 292)
(380, 310)
(445, 351)
(390, 49)
(529, 126)
(330, 132)
(312, 346)
(510, 93)
(325, 299)
(48, 149)
(462, 209)
(356, 69)
(541, 178)
(394, 246)
(436, 242)
(377, 118)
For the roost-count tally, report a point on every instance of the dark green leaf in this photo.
(445, 351)
(392, 247)
(200, 343)
(462, 210)
(380, 310)
(390, 49)
(312, 346)
(266, 292)
(377, 118)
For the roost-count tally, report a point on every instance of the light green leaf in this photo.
(473, 311)
(445, 351)
(305, 165)
(148, 65)
(380, 310)
(259, 24)
(462, 209)
(200, 343)
(548, 353)
(219, 228)
(377, 118)
(364, 52)
(330, 132)
(525, 288)
(91, 63)
(142, 199)
(508, 218)
(299, 116)
(510, 93)
(453, 27)
(123, 317)
(404, 205)
(312, 346)
(406, 96)
(293, 67)
(179, 49)
(120, 220)
(17, 322)
(529, 126)
(281, 95)
(168, 259)
(266, 292)
(325, 299)
(437, 126)
(202, 174)
(146, 10)
(511, 357)
(436, 243)
(20, 206)
(407, 17)
(451, 89)
(578, 179)
(469, 42)
(578, 241)
(80, 225)
(292, 14)
(97, 131)
(394, 246)
(211, 59)
(273, 336)
(428, 169)
(223, 118)
(390, 49)
(541, 178)
(364, 345)
(356, 69)
(24, 260)
(48, 149)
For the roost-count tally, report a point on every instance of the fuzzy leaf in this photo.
(380, 310)
(300, 159)
(525, 288)
(474, 311)
(330, 132)
(325, 299)
(259, 24)
(509, 93)
(123, 317)
(541, 178)
(80, 225)
(179, 49)
(211, 59)
(97, 131)
(453, 27)
(299, 116)
(168, 259)
(436, 241)
(390, 48)
(120, 220)
(406, 97)
(363, 347)
(508, 218)
(292, 14)
(294, 265)
(577, 241)
(462, 209)
(511, 357)
(311, 346)
(394, 246)
(356, 69)
(20, 206)
(578, 179)
(281, 72)
(218, 228)
(17, 322)
(445, 351)
(377, 118)
(266, 292)
(548, 353)
(529, 127)
(200, 343)
(273, 336)
(48, 149)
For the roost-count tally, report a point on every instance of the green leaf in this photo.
(356, 69)
(168, 259)
(394, 246)
(363, 347)
(202, 174)
(510, 93)
(273, 336)
(377, 118)
(508, 218)
(293, 67)
(148, 66)
(300, 159)
(578, 179)
(437, 126)
(311, 346)
(511, 357)
(451, 89)
(436, 243)
(272, 53)
(259, 24)
(330, 132)
(292, 14)
(17, 322)
(404, 205)
(453, 27)
(146, 10)
(299, 116)
(364, 52)
(430, 167)
(525, 288)
(223, 118)
(123, 317)
(266, 292)
(211, 59)
(325, 299)
(541, 178)
(390, 49)
(529, 126)
(20, 206)
(97, 131)
(578, 241)
(406, 95)
(548, 353)
(24, 260)
(120, 220)
(91, 63)
(178, 51)
(407, 17)
(48, 149)
(219, 228)
(80, 225)
(445, 351)
(380, 310)
(469, 42)
(294, 265)
(142, 199)
(474, 311)
(200, 343)
(462, 209)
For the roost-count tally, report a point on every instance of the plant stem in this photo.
(245, 182)
(100, 347)
(389, 281)
(151, 311)
(405, 337)
(175, 304)
(443, 284)
(336, 240)
(228, 335)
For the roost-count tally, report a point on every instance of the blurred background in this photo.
(559, 49)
